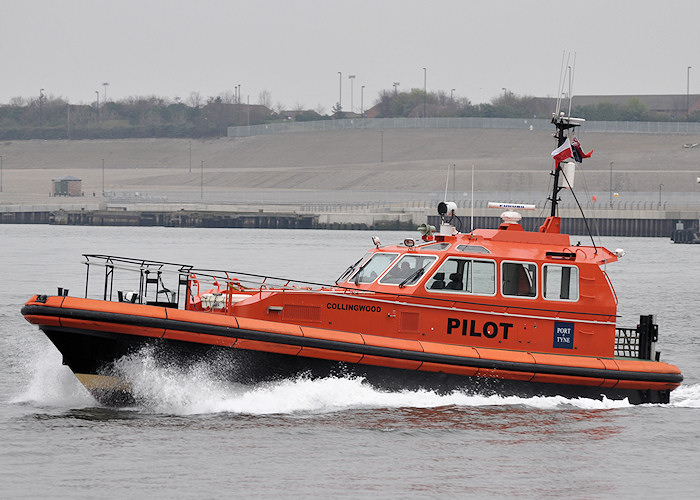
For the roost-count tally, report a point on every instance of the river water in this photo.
(199, 437)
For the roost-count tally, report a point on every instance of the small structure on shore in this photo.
(67, 186)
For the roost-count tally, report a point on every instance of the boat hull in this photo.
(97, 372)
(92, 335)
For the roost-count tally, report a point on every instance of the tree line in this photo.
(47, 117)
(416, 103)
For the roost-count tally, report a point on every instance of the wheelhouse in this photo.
(487, 269)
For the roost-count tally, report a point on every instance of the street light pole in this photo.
(425, 92)
(103, 177)
(201, 182)
(396, 84)
(97, 93)
(687, 93)
(41, 109)
(660, 186)
(352, 79)
(340, 91)
(611, 164)
(105, 86)
(362, 101)
(381, 158)
(0, 174)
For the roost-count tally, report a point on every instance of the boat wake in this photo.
(52, 384)
(201, 389)
(686, 396)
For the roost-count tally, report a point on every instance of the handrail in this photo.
(267, 282)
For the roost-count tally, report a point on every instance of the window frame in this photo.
(535, 275)
(578, 282)
(351, 279)
(464, 292)
(472, 249)
(433, 259)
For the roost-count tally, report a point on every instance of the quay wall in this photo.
(642, 223)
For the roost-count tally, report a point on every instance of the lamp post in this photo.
(687, 93)
(41, 109)
(201, 182)
(97, 94)
(105, 84)
(381, 158)
(340, 91)
(352, 79)
(396, 84)
(362, 101)
(425, 92)
(0, 174)
(611, 164)
(660, 186)
(103, 177)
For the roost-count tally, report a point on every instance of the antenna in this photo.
(563, 123)
(560, 87)
(472, 223)
(454, 181)
(572, 70)
(447, 181)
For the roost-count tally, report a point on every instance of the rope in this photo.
(585, 221)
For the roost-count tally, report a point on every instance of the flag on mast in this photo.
(579, 155)
(563, 152)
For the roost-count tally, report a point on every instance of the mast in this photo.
(562, 123)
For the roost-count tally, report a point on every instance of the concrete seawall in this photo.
(647, 223)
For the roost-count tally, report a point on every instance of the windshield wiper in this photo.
(416, 274)
(348, 271)
(359, 271)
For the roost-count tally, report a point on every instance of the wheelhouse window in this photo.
(373, 268)
(472, 249)
(435, 246)
(457, 275)
(519, 279)
(560, 282)
(408, 270)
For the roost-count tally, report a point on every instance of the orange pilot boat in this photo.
(502, 310)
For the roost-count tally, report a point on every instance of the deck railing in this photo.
(171, 285)
(639, 342)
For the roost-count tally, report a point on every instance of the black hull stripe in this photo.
(387, 352)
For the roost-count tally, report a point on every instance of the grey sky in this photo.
(295, 49)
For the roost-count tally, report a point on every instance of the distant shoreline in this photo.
(351, 167)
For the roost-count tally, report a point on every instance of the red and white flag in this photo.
(579, 155)
(563, 152)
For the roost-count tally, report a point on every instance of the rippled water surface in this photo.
(194, 435)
